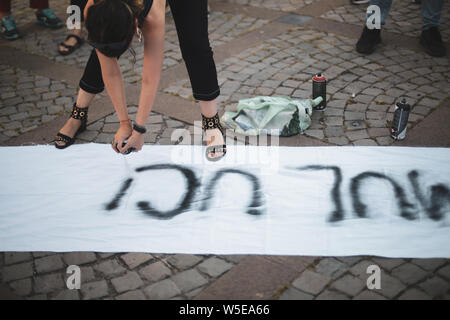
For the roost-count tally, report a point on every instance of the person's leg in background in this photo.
(430, 38)
(45, 15)
(191, 21)
(371, 37)
(7, 24)
(74, 39)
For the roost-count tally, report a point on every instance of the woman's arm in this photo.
(153, 30)
(153, 33)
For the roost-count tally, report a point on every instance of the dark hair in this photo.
(111, 25)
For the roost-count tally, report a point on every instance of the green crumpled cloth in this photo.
(271, 115)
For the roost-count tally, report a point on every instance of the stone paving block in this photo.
(413, 294)
(351, 260)
(131, 295)
(135, 259)
(109, 268)
(340, 141)
(350, 115)
(162, 290)
(357, 135)
(435, 286)
(429, 264)
(445, 272)
(87, 274)
(21, 287)
(360, 269)
(189, 280)
(409, 273)
(390, 286)
(388, 263)
(49, 263)
(79, 258)
(311, 282)
(155, 271)
(17, 271)
(130, 281)
(369, 295)
(331, 267)
(15, 257)
(183, 261)
(234, 258)
(378, 132)
(294, 294)
(349, 285)
(48, 283)
(214, 267)
(315, 133)
(94, 290)
(365, 142)
(67, 295)
(331, 295)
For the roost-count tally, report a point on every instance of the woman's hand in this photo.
(136, 141)
(122, 134)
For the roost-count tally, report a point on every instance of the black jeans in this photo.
(81, 4)
(191, 21)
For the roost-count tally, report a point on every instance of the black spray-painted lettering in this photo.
(338, 213)
(256, 201)
(435, 206)
(439, 197)
(406, 208)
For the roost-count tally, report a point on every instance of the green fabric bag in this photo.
(271, 115)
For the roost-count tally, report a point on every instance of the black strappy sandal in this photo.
(78, 114)
(69, 48)
(214, 123)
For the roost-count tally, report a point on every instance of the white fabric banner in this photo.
(318, 201)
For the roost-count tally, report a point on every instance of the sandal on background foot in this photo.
(70, 49)
(213, 150)
(78, 114)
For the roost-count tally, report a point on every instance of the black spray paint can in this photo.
(400, 122)
(320, 90)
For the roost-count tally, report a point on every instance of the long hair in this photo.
(111, 25)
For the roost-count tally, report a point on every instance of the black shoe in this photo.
(431, 40)
(62, 141)
(368, 40)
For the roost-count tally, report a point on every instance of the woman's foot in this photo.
(73, 41)
(215, 142)
(76, 124)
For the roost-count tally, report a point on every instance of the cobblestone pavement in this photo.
(362, 90)
(29, 100)
(223, 27)
(405, 17)
(280, 5)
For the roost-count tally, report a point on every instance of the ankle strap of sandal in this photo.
(211, 123)
(79, 113)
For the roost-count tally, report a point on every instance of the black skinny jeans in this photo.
(81, 4)
(191, 21)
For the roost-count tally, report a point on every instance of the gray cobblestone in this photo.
(109, 268)
(162, 290)
(49, 263)
(130, 281)
(79, 258)
(48, 283)
(189, 280)
(435, 286)
(183, 261)
(94, 290)
(17, 271)
(414, 294)
(409, 274)
(15, 257)
(429, 264)
(131, 295)
(331, 295)
(135, 259)
(214, 267)
(311, 282)
(331, 267)
(294, 294)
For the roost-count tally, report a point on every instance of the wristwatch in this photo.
(139, 128)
